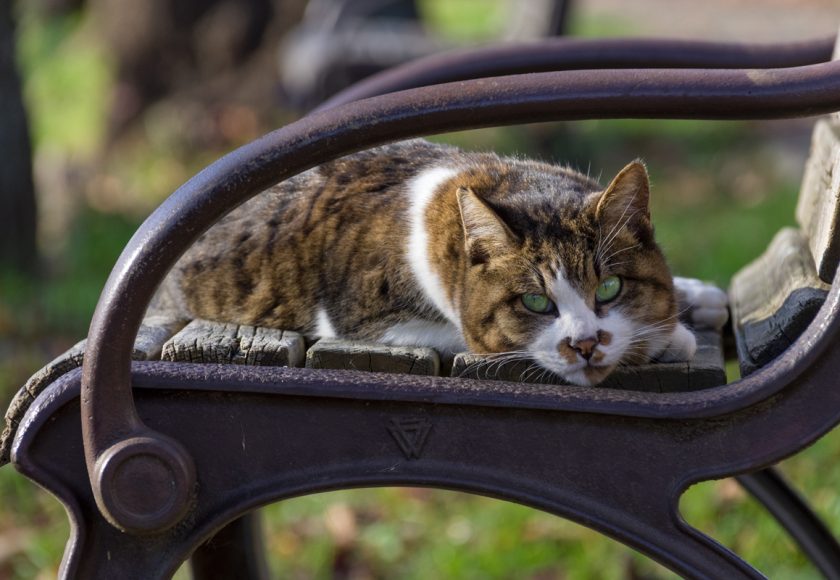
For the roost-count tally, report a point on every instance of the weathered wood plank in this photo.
(706, 370)
(836, 56)
(374, 357)
(774, 299)
(153, 334)
(64, 363)
(214, 342)
(818, 209)
(154, 331)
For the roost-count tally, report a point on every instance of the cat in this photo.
(421, 244)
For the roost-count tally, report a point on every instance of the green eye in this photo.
(608, 289)
(538, 303)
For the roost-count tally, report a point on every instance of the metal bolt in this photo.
(144, 484)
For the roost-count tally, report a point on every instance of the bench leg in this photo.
(236, 551)
(805, 527)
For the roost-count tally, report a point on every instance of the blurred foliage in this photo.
(720, 191)
(67, 80)
(419, 533)
(461, 20)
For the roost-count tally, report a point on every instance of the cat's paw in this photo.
(681, 346)
(702, 305)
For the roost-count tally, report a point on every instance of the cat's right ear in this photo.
(485, 234)
(625, 202)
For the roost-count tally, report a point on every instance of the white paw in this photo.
(705, 303)
(681, 347)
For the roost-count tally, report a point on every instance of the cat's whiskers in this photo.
(500, 362)
(543, 374)
(499, 359)
(636, 353)
(498, 354)
(660, 324)
(528, 373)
(633, 358)
(599, 243)
(657, 328)
(619, 225)
(606, 260)
(607, 244)
(493, 363)
(647, 337)
(477, 367)
(638, 346)
(525, 375)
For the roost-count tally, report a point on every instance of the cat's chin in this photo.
(588, 376)
(583, 375)
(580, 374)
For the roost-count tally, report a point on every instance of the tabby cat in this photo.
(422, 244)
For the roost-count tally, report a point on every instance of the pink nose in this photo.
(586, 347)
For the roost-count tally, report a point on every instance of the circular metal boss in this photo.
(144, 484)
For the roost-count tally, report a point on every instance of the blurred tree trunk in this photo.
(17, 193)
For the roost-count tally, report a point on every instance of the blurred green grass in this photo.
(719, 194)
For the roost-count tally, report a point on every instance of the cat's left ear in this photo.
(626, 200)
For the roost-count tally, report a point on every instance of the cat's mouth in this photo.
(582, 373)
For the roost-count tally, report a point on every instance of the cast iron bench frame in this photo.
(331, 426)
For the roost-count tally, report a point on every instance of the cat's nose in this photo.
(586, 347)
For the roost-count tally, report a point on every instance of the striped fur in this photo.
(416, 243)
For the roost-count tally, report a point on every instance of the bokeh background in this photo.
(125, 100)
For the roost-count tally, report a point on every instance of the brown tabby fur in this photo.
(336, 236)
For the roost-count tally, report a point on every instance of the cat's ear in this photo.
(626, 200)
(485, 233)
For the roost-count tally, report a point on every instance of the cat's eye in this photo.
(608, 289)
(539, 303)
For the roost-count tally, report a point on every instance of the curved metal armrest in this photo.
(556, 54)
(118, 445)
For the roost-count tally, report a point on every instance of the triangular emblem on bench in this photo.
(410, 433)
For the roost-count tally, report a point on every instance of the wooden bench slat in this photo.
(154, 331)
(330, 353)
(153, 334)
(818, 210)
(213, 342)
(774, 299)
(706, 370)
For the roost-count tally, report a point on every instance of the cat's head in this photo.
(564, 271)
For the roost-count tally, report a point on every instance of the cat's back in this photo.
(306, 237)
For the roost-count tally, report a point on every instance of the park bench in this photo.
(154, 458)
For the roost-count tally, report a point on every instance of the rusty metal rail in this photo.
(558, 54)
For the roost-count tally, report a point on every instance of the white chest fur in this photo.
(421, 189)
